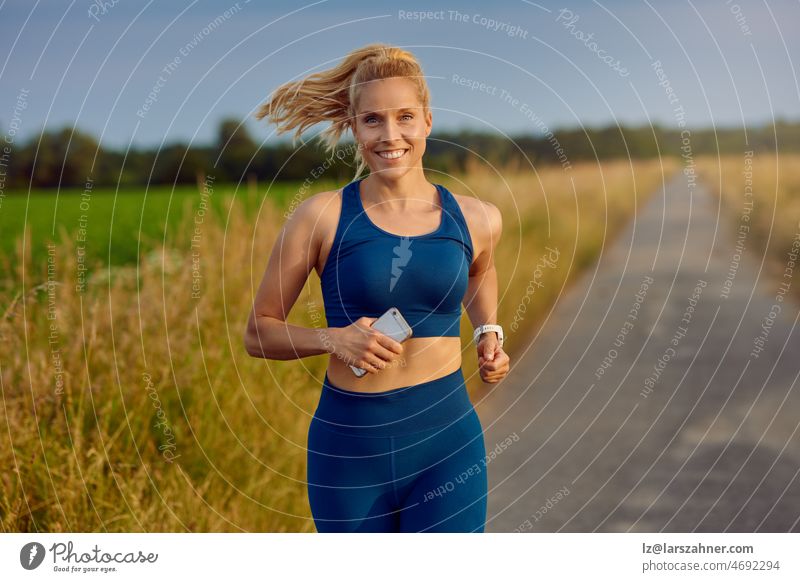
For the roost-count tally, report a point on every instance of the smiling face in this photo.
(391, 124)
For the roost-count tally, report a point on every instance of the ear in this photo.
(428, 123)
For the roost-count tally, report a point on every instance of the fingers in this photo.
(379, 358)
(365, 324)
(384, 350)
(492, 371)
(387, 344)
(371, 365)
(494, 366)
(493, 376)
(377, 363)
(498, 363)
(383, 357)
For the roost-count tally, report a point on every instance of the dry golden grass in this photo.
(775, 217)
(574, 212)
(164, 423)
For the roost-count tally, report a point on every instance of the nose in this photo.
(391, 131)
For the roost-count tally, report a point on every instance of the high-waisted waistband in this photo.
(394, 412)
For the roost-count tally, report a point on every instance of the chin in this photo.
(392, 173)
(395, 170)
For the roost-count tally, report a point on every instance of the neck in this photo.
(411, 186)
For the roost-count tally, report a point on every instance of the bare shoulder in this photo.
(484, 220)
(313, 218)
(317, 217)
(313, 211)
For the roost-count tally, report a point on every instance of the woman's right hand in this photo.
(358, 344)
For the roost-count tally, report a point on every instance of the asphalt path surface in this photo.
(660, 393)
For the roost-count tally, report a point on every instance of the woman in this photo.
(401, 448)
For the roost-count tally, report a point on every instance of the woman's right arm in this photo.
(295, 253)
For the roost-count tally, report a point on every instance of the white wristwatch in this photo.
(488, 327)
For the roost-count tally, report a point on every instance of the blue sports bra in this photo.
(369, 270)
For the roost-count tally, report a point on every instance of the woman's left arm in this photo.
(480, 300)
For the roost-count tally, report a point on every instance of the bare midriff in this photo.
(423, 359)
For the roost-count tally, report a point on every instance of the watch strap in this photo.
(481, 329)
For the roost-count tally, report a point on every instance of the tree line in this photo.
(66, 157)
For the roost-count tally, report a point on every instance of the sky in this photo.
(137, 73)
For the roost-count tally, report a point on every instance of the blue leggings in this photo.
(410, 459)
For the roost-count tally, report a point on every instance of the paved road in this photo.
(685, 430)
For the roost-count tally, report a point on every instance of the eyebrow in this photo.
(400, 110)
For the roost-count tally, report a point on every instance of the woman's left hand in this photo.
(493, 362)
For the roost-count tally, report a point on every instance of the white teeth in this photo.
(393, 154)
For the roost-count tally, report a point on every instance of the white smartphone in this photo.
(393, 324)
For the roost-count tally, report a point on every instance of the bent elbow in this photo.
(258, 338)
(252, 340)
(248, 343)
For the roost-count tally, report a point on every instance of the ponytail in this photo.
(332, 95)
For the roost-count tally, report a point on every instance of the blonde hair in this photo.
(332, 95)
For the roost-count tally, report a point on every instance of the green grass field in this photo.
(120, 225)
